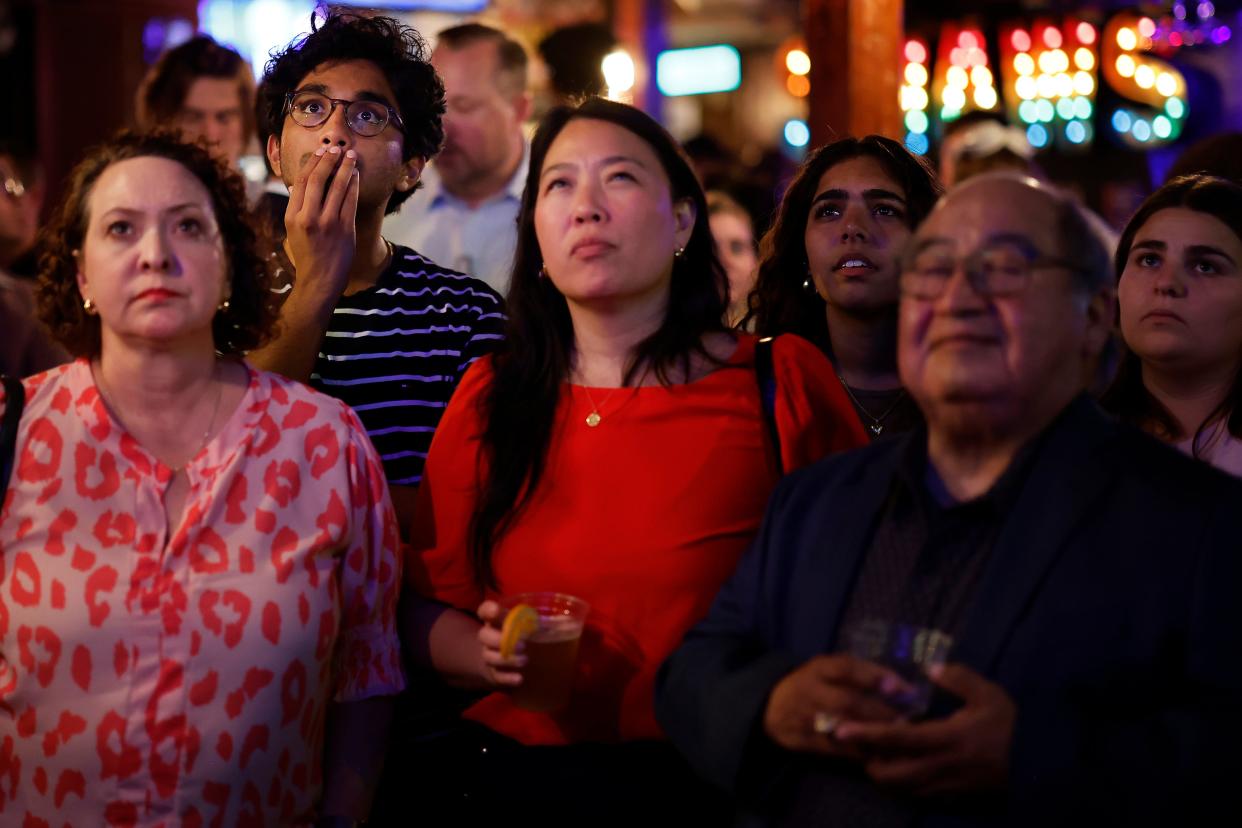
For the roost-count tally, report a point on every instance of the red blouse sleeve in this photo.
(438, 561)
(813, 414)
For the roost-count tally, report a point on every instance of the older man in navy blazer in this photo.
(1088, 576)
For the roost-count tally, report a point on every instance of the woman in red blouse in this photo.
(614, 449)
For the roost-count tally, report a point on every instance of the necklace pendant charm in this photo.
(876, 428)
(593, 419)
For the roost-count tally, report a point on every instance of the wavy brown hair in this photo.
(251, 314)
(779, 303)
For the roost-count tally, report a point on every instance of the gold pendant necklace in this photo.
(594, 418)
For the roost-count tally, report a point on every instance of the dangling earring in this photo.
(223, 306)
(543, 271)
(88, 306)
(679, 252)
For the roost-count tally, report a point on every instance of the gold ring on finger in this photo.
(825, 724)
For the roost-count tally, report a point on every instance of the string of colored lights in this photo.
(1049, 73)
(914, 98)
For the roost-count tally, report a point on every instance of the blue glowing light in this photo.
(1037, 135)
(1122, 121)
(1045, 111)
(699, 70)
(1082, 108)
(917, 143)
(916, 120)
(1176, 108)
(1141, 130)
(797, 133)
(1075, 132)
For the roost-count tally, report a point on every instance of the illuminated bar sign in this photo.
(698, 71)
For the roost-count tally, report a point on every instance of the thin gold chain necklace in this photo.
(595, 418)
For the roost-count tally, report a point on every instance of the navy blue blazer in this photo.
(1110, 610)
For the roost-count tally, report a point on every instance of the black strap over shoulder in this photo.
(14, 403)
(766, 376)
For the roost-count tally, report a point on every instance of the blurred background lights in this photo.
(618, 69)
(798, 62)
(1125, 66)
(1075, 132)
(1086, 33)
(1141, 130)
(797, 133)
(917, 121)
(1024, 64)
(798, 86)
(1126, 39)
(1082, 108)
(699, 70)
(1026, 88)
(957, 76)
(1045, 111)
(1144, 77)
(1020, 40)
(1084, 59)
(1161, 126)
(1084, 84)
(1052, 37)
(1175, 107)
(917, 143)
(916, 52)
(1028, 111)
(1146, 27)
(985, 97)
(954, 97)
(1037, 135)
(916, 74)
(981, 76)
(1122, 121)
(1166, 84)
(1065, 108)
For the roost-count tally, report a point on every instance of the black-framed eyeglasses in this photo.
(366, 118)
(997, 269)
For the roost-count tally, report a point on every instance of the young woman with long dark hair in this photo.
(828, 267)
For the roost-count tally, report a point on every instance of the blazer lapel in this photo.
(1070, 474)
(833, 553)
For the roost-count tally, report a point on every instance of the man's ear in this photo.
(273, 155)
(522, 105)
(1101, 319)
(684, 214)
(412, 172)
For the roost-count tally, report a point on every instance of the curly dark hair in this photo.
(779, 303)
(251, 314)
(1128, 397)
(533, 361)
(399, 52)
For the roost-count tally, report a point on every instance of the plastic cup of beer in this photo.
(551, 651)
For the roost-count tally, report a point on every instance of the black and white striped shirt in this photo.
(395, 352)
